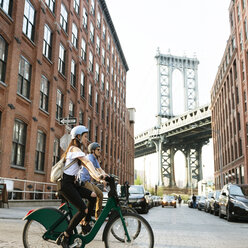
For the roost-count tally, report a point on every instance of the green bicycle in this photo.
(123, 229)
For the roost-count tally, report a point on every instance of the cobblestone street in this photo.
(173, 228)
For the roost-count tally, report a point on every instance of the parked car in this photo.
(138, 198)
(233, 202)
(190, 201)
(149, 199)
(214, 203)
(169, 200)
(207, 203)
(201, 202)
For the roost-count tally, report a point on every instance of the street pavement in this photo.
(180, 227)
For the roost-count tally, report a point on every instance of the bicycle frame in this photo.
(56, 222)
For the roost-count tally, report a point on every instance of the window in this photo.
(85, 18)
(98, 45)
(47, 42)
(89, 128)
(82, 85)
(96, 133)
(97, 106)
(76, 6)
(92, 9)
(91, 61)
(103, 32)
(107, 89)
(19, 143)
(241, 41)
(73, 73)
(6, 6)
(44, 90)
(103, 56)
(51, 5)
(91, 32)
(56, 151)
(24, 78)
(246, 31)
(81, 118)
(71, 109)
(3, 58)
(103, 107)
(97, 73)
(83, 49)
(63, 17)
(28, 20)
(40, 151)
(61, 64)
(238, 11)
(108, 42)
(90, 95)
(59, 105)
(98, 20)
(74, 36)
(102, 81)
(108, 68)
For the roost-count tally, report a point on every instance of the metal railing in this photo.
(19, 189)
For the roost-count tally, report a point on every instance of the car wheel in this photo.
(199, 209)
(146, 209)
(162, 206)
(220, 214)
(229, 216)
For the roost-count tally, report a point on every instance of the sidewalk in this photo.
(16, 212)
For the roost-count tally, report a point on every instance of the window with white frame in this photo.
(97, 45)
(81, 117)
(56, 151)
(91, 61)
(97, 73)
(71, 109)
(91, 32)
(103, 32)
(47, 42)
(103, 56)
(59, 105)
(82, 85)
(24, 78)
(97, 105)
(241, 41)
(89, 128)
(40, 151)
(85, 18)
(6, 6)
(92, 8)
(73, 73)
(238, 11)
(63, 18)
(98, 20)
(44, 93)
(107, 89)
(51, 5)
(61, 64)
(96, 133)
(76, 5)
(246, 29)
(19, 143)
(108, 42)
(102, 80)
(3, 58)
(29, 20)
(83, 49)
(108, 67)
(113, 52)
(74, 35)
(90, 95)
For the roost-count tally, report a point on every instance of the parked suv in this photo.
(207, 202)
(233, 201)
(214, 203)
(138, 198)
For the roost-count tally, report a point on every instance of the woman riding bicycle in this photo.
(72, 191)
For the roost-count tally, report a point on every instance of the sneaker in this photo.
(63, 240)
(86, 228)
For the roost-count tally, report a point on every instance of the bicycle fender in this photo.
(47, 217)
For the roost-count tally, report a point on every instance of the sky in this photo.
(180, 27)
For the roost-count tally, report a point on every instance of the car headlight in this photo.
(141, 200)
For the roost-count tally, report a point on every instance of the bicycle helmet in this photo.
(78, 130)
(93, 147)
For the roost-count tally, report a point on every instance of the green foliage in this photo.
(138, 181)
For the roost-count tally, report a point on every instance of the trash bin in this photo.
(3, 195)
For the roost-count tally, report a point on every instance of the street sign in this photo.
(68, 121)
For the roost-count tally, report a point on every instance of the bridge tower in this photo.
(166, 64)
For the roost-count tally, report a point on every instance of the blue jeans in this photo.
(194, 204)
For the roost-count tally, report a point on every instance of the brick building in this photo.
(229, 102)
(61, 58)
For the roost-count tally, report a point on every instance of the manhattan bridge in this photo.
(187, 133)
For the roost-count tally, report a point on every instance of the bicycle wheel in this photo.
(124, 211)
(32, 236)
(138, 228)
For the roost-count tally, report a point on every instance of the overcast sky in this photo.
(191, 27)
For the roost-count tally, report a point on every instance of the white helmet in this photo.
(78, 130)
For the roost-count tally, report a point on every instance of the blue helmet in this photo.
(93, 147)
